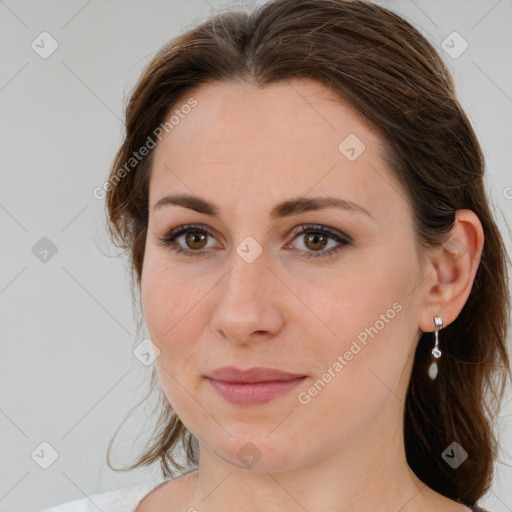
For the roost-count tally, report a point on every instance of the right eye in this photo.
(194, 237)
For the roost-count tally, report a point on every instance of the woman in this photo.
(301, 197)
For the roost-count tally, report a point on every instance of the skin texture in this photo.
(246, 149)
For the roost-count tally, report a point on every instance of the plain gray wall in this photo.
(68, 374)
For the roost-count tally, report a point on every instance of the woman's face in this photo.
(339, 308)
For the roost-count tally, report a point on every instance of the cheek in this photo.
(164, 304)
(340, 309)
(175, 313)
(364, 317)
(171, 321)
(164, 292)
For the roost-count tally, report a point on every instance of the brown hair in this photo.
(392, 75)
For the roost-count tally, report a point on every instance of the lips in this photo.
(256, 374)
(255, 386)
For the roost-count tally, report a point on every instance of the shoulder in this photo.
(171, 494)
(121, 500)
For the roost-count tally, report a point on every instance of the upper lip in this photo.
(255, 374)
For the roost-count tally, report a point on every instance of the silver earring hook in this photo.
(438, 321)
(432, 370)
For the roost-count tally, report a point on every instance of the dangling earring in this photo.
(432, 370)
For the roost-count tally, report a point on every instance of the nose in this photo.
(248, 302)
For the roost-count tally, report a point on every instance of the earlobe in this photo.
(454, 266)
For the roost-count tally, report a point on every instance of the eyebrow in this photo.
(281, 210)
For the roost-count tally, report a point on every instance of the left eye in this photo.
(316, 239)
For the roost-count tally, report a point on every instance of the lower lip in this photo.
(256, 393)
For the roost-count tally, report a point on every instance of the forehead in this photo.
(291, 111)
(285, 139)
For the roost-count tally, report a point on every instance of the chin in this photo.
(258, 453)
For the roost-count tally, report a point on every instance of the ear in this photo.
(451, 271)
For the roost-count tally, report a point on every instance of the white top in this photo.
(122, 500)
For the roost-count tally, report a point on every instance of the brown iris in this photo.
(194, 237)
(314, 238)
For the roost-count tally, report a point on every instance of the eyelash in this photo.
(168, 240)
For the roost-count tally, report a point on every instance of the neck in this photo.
(369, 472)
